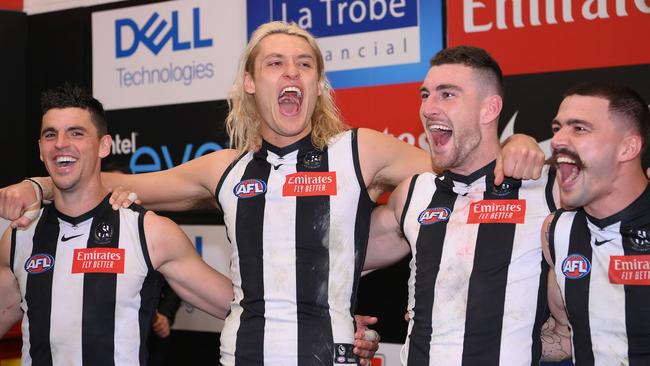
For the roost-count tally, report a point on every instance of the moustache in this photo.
(566, 152)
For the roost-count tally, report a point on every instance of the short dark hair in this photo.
(69, 96)
(475, 58)
(623, 101)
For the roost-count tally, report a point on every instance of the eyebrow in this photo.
(573, 121)
(448, 86)
(71, 128)
(279, 55)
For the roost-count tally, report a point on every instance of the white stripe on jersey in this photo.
(523, 276)
(280, 329)
(341, 242)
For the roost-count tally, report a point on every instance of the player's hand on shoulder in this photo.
(520, 158)
(19, 203)
(122, 197)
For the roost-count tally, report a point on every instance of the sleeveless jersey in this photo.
(603, 271)
(477, 289)
(298, 222)
(88, 294)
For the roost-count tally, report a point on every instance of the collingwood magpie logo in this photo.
(639, 239)
(313, 159)
(103, 233)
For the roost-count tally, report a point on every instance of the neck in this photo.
(485, 152)
(626, 187)
(76, 202)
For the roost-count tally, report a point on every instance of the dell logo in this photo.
(157, 38)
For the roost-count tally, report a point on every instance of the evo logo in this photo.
(129, 35)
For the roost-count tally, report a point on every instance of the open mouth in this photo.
(290, 100)
(568, 165)
(64, 161)
(439, 133)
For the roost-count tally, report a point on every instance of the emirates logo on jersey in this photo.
(249, 188)
(497, 212)
(575, 266)
(98, 260)
(39, 263)
(629, 269)
(310, 184)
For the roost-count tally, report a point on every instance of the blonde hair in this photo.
(243, 123)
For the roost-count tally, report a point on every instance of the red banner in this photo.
(532, 36)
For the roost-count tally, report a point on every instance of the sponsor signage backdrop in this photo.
(372, 61)
(41, 6)
(166, 53)
(364, 42)
(553, 35)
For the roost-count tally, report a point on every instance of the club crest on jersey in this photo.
(575, 266)
(434, 215)
(249, 188)
(39, 263)
(313, 159)
(103, 233)
(639, 239)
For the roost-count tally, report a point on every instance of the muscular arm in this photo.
(556, 333)
(10, 311)
(386, 244)
(181, 188)
(190, 277)
(387, 161)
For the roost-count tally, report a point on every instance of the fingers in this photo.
(121, 197)
(498, 171)
(371, 335)
(364, 320)
(365, 349)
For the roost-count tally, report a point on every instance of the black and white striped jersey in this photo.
(477, 289)
(298, 222)
(603, 271)
(87, 290)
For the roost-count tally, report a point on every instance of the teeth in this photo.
(65, 159)
(437, 127)
(566, 160)
(291, 89)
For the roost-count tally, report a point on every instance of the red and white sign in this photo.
(629, 269)
(310, 184)
(98, 260)
(497, 211)
(532, 36)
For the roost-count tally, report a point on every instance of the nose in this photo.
(429, 108)
(61, 141)
(291, 71)
(559, 138)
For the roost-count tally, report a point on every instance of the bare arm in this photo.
(10, 311)
(556, 333)
(387, 161)
(181, 188)
(386, 244)
(173, 255)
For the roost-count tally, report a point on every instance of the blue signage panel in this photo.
(364, 42)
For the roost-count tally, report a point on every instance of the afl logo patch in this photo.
(249, 188)
(434, 215)
(39, 263)
(575, 266)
